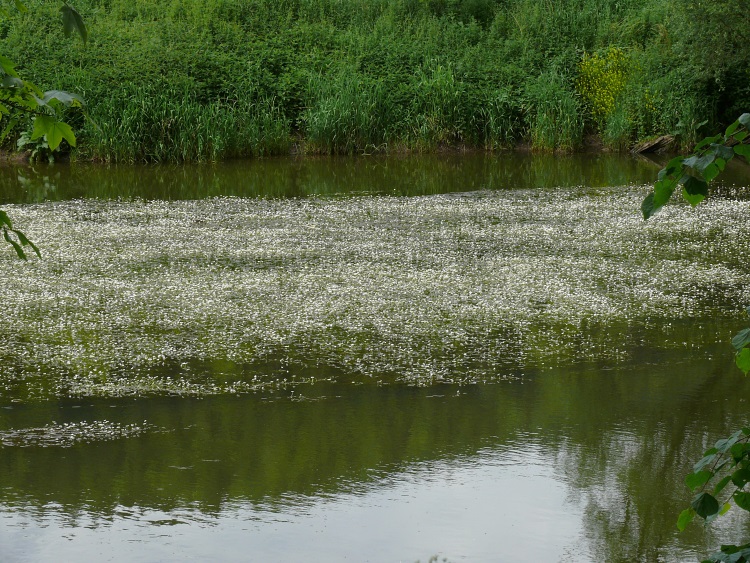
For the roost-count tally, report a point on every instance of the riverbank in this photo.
(207, 81)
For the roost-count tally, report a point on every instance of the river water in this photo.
(479, 358)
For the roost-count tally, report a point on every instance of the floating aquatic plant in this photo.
(230, 295)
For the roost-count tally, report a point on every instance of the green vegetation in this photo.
(727, 463)
(192, 80)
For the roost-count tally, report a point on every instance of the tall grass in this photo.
(212, 79)
(553, 114)
(145, 124)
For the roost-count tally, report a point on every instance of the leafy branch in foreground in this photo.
(16, 238)
(695, 172)
(728, 462)
(21, 101)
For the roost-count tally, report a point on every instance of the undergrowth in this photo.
(191, 80)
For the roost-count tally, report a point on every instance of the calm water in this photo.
(283, 177)
(557, 428)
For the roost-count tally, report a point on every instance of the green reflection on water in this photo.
(408, 176)
(612, 435)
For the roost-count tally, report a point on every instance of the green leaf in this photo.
(11, 82)
(11, 124)
(73, 22)
(20, 6)
(663, 190)
(26, 242)
(686, 516)
(14, 244)
(8, 67)
(696, 480)
(741, 339)
(742, 150)
(705, 505)
(53, 131)
(738, 451)
(742, 360)
(66, 98)
(694, 190)
(726, 443)
(5, 220)
(721, 484)
(742, 499)
(712, 170)
(647, 207)
(699, 163)
(722, 151)
(741, 136)
(707, 459)
(731, 129)
(744, 120)
(707, 141)
(741, 477)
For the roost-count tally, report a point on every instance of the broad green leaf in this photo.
(742, 360)
(739, 450)
(707, 141)
(73, 22)
(712, 170)
(686, 516)
(700, 163)
(741, 339)
(742, 499)
(741, 477)
(744, 120)
(20, 6)
(724, 444)
(8, 129)
(706, 460)
(53, 131)
(66, 98)
(694, 190)
(732, 128)
(8, 67)
(742, 150)
(741, 136)
(725, 509)
(26, 242)
(11, 82)
(663, 190)
(705, 505)
(14, 244)
(721, 484)
(696, 480)
(722, 151)
(647, 207)
(5, 220)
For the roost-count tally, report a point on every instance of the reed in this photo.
(213, 79)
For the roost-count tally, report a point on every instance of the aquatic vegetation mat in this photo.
(68, 434)
(231, 294)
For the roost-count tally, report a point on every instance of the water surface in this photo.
(396, 359)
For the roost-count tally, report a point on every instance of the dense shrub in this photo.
(212, 79)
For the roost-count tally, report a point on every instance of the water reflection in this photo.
(523, 470)
(402, 176)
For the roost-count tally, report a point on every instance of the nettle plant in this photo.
(21, 102)
(721, 477)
